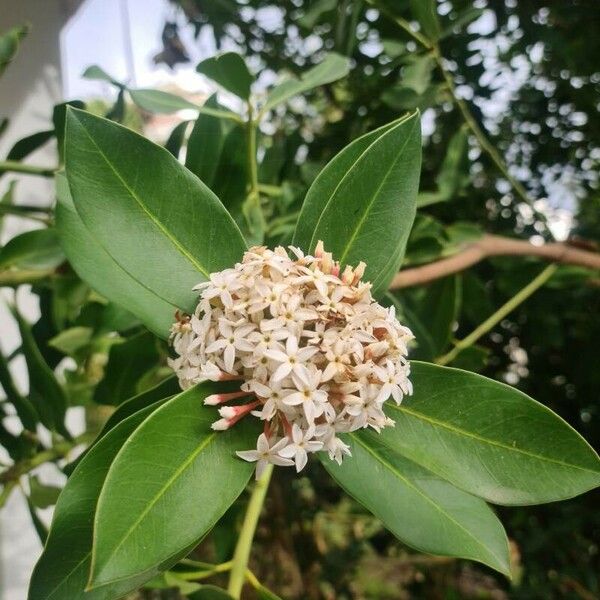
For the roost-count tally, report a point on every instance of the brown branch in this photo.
(494, 245)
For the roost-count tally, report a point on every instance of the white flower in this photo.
(265, 454)
(302, 443)
(308, 395)
(292, 360)
(315, 355)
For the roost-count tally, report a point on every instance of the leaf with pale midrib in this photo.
(157, 220)
(421, 509)
(170, 483)
(489, 439)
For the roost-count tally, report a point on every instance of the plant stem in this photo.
(483, 140)
(18, 167)
(494, 319)
(244, 544)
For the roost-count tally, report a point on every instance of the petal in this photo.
(249, 455)
(282, 371)
(229, 357)
(301, 460)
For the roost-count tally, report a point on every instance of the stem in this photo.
(504, 310)
(244, 544)
(17, 167)
(463, 107)
(59, 450)
(484, 142)
(252, 166)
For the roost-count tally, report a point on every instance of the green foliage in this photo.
(9, 44)
(230, 72)
(173, 250)
(141, 230)
(197, 472)
(363, 203)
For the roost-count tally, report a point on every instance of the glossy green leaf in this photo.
(63, 569)
(98, 73)
(154, 397)
(228, 70)
(362, 205)
(171, 482)
(25, 146)
(164, 226)
(157, 101)
(42, 495)
(98, 268)
(205, 145)
(165, 389)
(36, 250)
(127, 362)
(417, 506)
(434, 307)
(425, 11)
(70, 340)
(176, 138)
(59, 115)
(45, 393)
(489, 439)
(22, 405)
(9, 44)
(331, 68)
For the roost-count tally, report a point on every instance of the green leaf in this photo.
(464, 17)
(38, 524)
(418, 507)
(69, 341)
(154, 397)
(9, 44)
(23, 406)
(230, 72)
(165, 389)
(489, 439)
(176, 139)
(45, 393)
(98, 268)
(164, 227)
(98, 73)
(313, 14)
(157, 101)
(127, 362)
(205, 145)
(59, 115)
(63, 569)
(167, 487)
(362, 205)
(36, 250)
(425, 11)
(331, 68)
(25, 146)
(42, 495)
(435, 306)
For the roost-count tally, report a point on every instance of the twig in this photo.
(494, 245)
(18, 167)
(502, 312)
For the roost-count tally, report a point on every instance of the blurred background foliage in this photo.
(520, 76)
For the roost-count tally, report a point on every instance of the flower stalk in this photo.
(241, 555)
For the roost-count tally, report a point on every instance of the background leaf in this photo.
(38, 249)
(229, 70)
(331, 68)
(157, 101)
(127, 362)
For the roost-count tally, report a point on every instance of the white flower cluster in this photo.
(316, 354)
